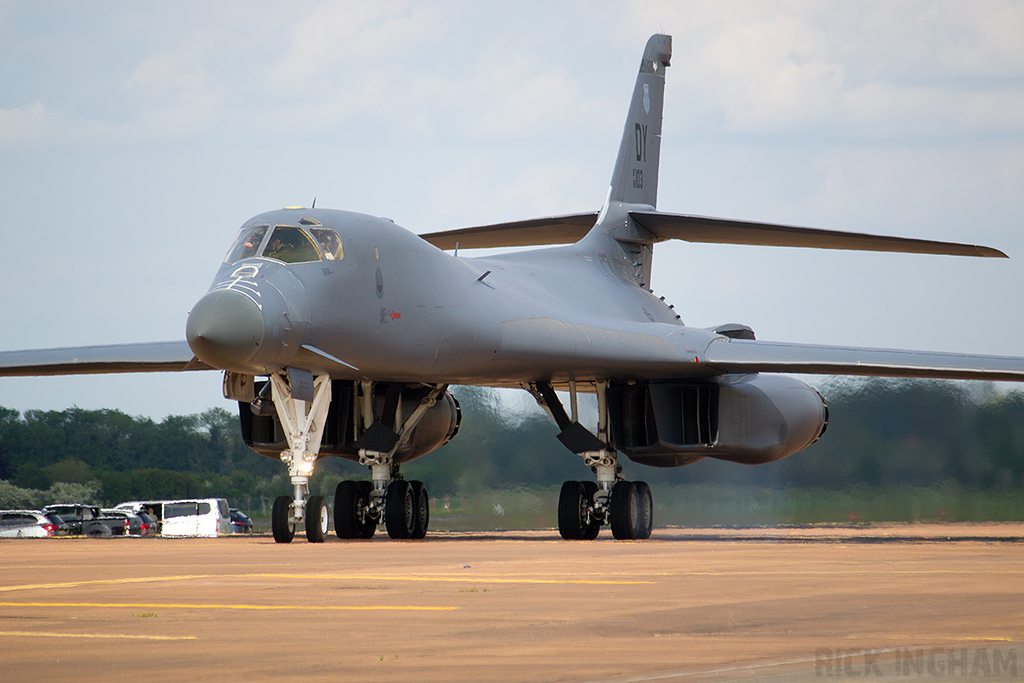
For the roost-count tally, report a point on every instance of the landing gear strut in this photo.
(301, 402)
(403, 506)
(585, 506)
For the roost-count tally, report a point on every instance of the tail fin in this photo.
(635, 178)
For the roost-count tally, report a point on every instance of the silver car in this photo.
(26, 524)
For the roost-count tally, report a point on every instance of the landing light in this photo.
(306, 467)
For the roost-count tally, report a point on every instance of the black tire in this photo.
(593, 528)
(399, 513)
(346, 510)
(281, 521)
(317, 519)
(625, 510)
(571, 513)
(421, 509)
(645, 501)
(367, 525)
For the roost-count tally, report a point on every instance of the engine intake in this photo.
(264, 434)
(750, 419)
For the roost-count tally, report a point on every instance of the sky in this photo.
(135, 138)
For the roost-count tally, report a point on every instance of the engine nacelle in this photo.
(438, 427)
(750, 419)
(264, 434)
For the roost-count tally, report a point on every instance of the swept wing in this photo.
(736, 355)
(530, 233)
(690, 228)
(170, 356)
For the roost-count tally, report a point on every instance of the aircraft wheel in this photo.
(421, 509)
(645, 520)
(366, 524)
(625, 510)
(399, 510)
(346, 509)
(282, 522)
(572, 511)
(592, 529)
(317, 519)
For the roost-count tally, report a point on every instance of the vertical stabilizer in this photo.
(635, 178)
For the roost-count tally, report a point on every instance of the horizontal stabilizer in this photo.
(173, 356)
(667, 226)
(567, 229)
(733, 355)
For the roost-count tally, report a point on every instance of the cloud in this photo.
(352, 32)
(25, 126)
(855, 69)
(174, 94)
(509, 95)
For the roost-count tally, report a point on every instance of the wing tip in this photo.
(990, 252)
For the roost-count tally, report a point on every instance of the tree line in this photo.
(881, 433)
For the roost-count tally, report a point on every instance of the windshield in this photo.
(330, 243)
(291, 245)
(247, 243)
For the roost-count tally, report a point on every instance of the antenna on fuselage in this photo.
(314, 203)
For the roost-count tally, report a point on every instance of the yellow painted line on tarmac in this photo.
(139, 605)
(100, 582)
(333, 577)
(940, 638)
(443, 579)
(111, 636)
(845, 570)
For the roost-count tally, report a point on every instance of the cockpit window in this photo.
(291, 245)
(247, 243)
(330, 243)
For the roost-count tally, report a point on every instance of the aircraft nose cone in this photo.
(225, 329)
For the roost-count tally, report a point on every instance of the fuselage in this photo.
(378, 302)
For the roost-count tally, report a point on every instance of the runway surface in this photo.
(935, 602)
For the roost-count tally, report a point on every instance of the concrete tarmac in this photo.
(938, 602)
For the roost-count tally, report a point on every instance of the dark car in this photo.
(132, 522)
(240, 522)
(62, 528)
(150, 527)
(87, 520)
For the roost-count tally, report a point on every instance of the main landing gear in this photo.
(359, 506)
(585, 506)
(405, 509)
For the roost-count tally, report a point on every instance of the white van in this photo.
(189, 516)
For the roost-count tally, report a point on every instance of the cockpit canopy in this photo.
(286, 243)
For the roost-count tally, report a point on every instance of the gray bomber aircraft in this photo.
(339, 334)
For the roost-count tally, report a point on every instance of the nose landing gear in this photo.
(301, 402)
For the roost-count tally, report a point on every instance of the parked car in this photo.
(196, 517)
(240, 522)
(57, 521)
(26, 524)
(150, 526)
(153, 509)
(133, 521)
(87, 520)
(188, 516)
